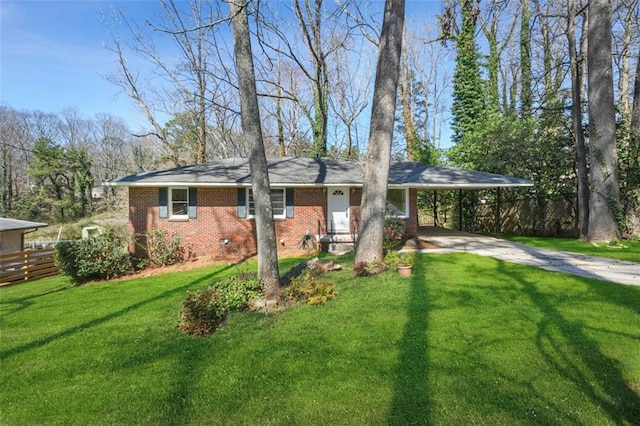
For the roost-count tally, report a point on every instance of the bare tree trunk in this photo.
(576, 121)
(282, 148)
(310, 24)
(251, 126)
(604, 199)
(376, 171)
(407, 110)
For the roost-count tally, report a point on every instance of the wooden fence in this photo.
(29, 265)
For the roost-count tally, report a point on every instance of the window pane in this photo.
(179, 205)
(251, 203)
(396, 202)
(179, 194)
(179, 209)
(277, 202)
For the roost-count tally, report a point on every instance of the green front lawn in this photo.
(622, 250)
(466, 339)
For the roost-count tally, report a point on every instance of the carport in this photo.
(440, 178)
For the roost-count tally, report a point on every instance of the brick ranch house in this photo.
(210, 206)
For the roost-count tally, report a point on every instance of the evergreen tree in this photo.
(63, 182)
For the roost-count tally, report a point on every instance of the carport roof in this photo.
(305, 171)
(422, 176)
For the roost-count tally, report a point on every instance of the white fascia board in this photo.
(224, 185)
(444, 187)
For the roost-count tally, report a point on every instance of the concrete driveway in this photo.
(617, 271)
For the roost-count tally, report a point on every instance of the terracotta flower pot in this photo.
(404, 270)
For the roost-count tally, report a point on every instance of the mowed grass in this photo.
(466, 339)
(628, 250)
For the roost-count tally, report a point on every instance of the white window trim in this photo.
(406, 201)
(170, 202)
(275, 216)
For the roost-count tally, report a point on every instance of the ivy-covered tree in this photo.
(468, 94)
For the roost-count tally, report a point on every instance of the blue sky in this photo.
(53, 55)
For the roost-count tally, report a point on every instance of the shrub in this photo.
(364, 269)
(162, 248)
(98, 258)
(307, 288)
(202, 312)
(239, 290)
(395, 258)
(394, 229)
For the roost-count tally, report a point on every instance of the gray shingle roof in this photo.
(420, 175)
(304, 171)
(7, 224)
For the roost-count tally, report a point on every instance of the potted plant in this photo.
(405, 264)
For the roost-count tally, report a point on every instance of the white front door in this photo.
(338, 209)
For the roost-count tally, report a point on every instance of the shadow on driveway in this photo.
(449, 240)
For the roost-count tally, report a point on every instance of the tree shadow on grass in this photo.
(566, 346)
(410, 404)
(97, 321)
(24, 302)
(186, 356)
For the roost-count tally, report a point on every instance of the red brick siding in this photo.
(354, 208)
(411, 223)
(217, 220)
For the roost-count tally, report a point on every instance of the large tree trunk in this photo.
(576, 121)
(634, 144)
(633, 178)
(376, 171)
(604, 200)
(251, 127)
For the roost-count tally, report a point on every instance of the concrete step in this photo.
(338, 238)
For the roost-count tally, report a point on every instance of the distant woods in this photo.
(52, 165)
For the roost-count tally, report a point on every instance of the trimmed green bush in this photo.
(98, 258)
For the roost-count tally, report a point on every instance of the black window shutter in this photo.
(289, 202)
(242, 202)
(193, 203)
(163, 202)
